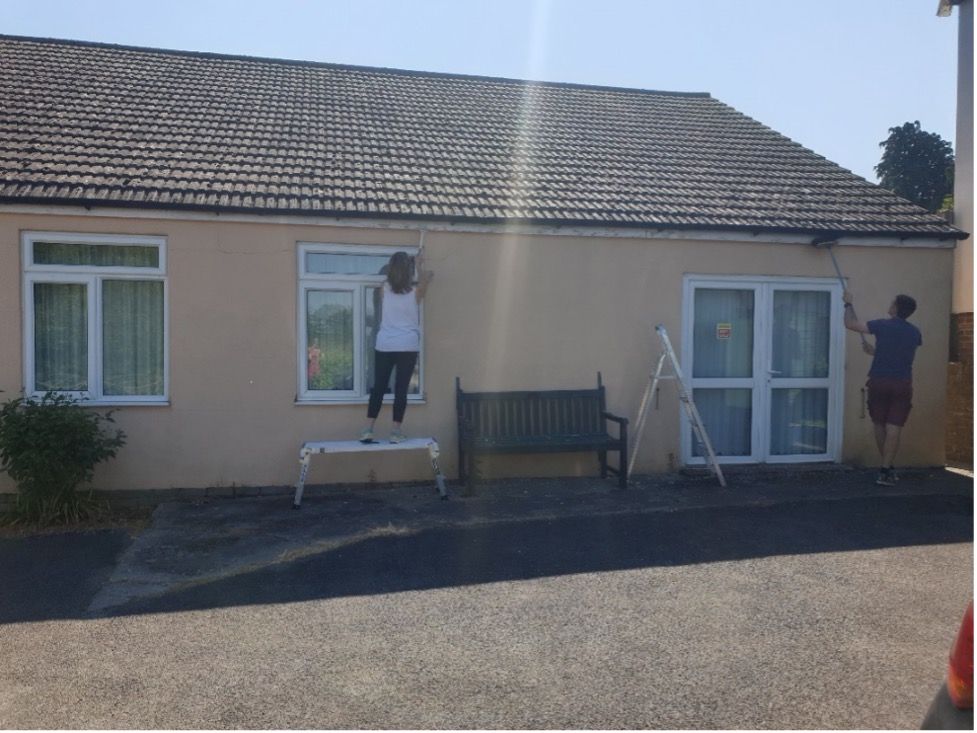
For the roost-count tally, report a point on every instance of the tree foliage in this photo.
(916, 165)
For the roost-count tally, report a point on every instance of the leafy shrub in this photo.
(49, 447)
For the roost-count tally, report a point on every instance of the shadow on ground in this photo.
(58, 576)
(523, 550)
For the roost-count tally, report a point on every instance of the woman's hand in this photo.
(424, 278)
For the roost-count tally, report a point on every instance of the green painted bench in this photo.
(539, 421)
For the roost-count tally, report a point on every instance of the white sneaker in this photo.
(366, 435)
(397, 436)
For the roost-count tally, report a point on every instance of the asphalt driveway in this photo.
(819, 602)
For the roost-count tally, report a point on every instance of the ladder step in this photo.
(685, 397)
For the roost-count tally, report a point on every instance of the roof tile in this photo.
(83, 123)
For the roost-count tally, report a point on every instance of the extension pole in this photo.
(841, 279)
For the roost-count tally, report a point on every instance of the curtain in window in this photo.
(329, 333)
(723, 333)
(727, 415)
(799, 421)
(60, 336)
(95, 255)
(801, 333)
(132, 337)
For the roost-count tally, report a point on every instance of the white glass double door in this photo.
(763, 359)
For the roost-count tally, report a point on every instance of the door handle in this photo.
(771, 372)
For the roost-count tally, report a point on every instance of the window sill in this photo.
(417, 400)
(123, 403)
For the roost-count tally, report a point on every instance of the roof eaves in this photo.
(155, 205)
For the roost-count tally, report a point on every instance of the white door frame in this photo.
(763, 287)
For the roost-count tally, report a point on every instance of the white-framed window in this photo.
(95, 316)
(339, 294)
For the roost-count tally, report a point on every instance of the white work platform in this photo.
(355, 446)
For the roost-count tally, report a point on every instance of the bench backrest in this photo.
(530, 414)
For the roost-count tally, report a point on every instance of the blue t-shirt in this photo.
(895, 346)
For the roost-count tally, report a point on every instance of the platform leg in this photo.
(300, 486)
(435, 450)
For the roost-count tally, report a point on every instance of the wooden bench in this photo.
(538, 421)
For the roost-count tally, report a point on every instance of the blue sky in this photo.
(833, 75)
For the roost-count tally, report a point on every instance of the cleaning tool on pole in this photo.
(827, 243)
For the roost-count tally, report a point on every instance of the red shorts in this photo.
(889, 400)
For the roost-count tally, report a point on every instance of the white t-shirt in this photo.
(400, 328)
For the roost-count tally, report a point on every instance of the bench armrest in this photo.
(614, 418)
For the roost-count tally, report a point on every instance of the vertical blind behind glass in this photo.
(132, 337)
(95, 255)
(723, 333)
(799, 422)
(727, 415)
(801, 333)
(60, 337)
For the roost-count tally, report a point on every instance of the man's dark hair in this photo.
(905, 306)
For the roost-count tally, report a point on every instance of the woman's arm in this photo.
(423, 281)
(424, 278)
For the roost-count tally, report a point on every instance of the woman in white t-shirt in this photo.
(398, 341)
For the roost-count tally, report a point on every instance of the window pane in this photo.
(727, 415)
(799, 421)
(321, 263)
(60, 337)
(329, 332)
(801, 333)
(95, 255)
(132, 337)
(723, 333)
(373, 312)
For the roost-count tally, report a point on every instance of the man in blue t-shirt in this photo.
(890, 378)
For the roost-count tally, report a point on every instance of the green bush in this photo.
(50, 447)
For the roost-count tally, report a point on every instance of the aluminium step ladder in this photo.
(668, 354)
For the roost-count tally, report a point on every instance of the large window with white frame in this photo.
(339, 309)
(95, 316)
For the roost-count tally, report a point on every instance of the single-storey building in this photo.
(193, 240)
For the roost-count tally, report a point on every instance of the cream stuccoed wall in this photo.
(504, 312)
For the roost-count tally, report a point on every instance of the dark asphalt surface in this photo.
(56, 575)
(446, 557)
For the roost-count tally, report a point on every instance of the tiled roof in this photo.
(95, 124)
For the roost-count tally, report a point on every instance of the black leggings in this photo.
(404, 361)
